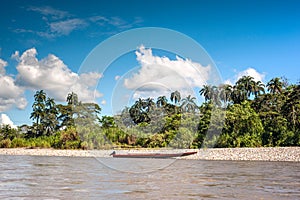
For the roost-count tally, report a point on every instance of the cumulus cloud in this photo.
(53, 76)
(157, 75)
(248, 72)
(10, 93)
(5, 120)
(3, 64)
(253, 73)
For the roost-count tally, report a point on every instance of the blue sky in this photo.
(53, 38)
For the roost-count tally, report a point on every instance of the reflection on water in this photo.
(28, 177)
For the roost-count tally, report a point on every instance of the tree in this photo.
(50, 122)
(211, 93)
(72, 99)
(258, 88)
(225, 93)
(38, 106)
(175, 97)
(245, 86)
(189, 104)
(206, 91)
(140, 110)
(243, 127)
(275, 85)
(38, 112)
(161, 101)
(291, 107)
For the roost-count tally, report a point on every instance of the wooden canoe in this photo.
(152, 155)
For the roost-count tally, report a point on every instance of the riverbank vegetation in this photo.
(246, 114)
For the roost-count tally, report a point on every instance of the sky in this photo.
(49, 44)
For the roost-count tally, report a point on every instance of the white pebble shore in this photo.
(251, 154)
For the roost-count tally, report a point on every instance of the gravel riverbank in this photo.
(261, 154)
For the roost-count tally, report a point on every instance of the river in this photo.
(42, 177)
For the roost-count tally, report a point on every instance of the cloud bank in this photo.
(5, 120)
(49, 74)
(160, 75)
(248, 72)
(10, 93)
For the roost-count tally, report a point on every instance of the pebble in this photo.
(250, 154)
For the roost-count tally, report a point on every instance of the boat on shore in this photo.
(152, 155)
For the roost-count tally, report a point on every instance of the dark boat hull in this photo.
(153, 155)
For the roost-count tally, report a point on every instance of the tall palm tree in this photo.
(161, 101)
(275, 85)
(176, 97)
(50, 120)
(291, 107)
(238, 95)
(206, 91)
(246, 85)
(258, 88)
(189, 104)
(72, 99)
(225, 91)
(38, 106)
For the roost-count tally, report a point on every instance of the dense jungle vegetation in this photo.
(247, 114)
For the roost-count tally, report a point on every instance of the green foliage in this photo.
(7, 132)
(243, 127)
(40, 142)
(70, 138)
(242, 115)
(6, 143)
(19, 142)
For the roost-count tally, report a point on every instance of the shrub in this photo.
(5, 143)
(70, 139)
(19, 142)
(72, 144)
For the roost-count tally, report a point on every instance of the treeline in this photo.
(247, 114)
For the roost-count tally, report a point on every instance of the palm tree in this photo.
(291, 107)
(258, 88)
(38, 112)
(176, 97)
(161, 101)
(225, 91)
(189, 104)
(38, 106)
(275, 85)
(238, 95)
(50, 120)
(211, 93)
(72, 99)
(140, 111)
(206, 91)
(246, 85)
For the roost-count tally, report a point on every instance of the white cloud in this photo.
(160, 74)
(248, 72)
(53, 76)
(3, 64)
(117, 77)
(5, 120)
(10, 93)
(49, 11)
(253, 73)
(103, 102)
(65, 27)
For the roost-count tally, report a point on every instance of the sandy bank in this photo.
(261, 154)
